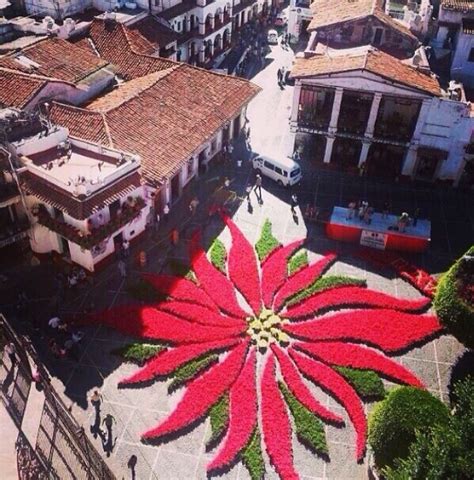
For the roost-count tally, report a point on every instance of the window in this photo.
(268, 165)
(279, 171)
(471, 56)
(295, 172)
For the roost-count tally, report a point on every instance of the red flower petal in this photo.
(243, 269)
(356, 356)
(275, 270)
(215, 283)
(276, 425)
(302, 279)
(353, 296)
(202, 393)
(200, 314)
(242, 413)
(297, 387)
(148, 322)
(334, 383)
(388, 330)
(167, 361)
(181, 289)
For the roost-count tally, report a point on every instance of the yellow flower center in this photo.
(266, 329)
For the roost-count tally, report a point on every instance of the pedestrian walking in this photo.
(351, 211)
(193, 205)
(166, 212)
(157, 222)
(226, 183)
(279, 76)
(96, 400)
(294, 204)
(283, 73)
(122, 268)
(258, 186)
(385, 209)
(230, 149)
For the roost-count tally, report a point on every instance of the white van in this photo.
(272, 37)
(284, 171)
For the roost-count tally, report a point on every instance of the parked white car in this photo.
(284, 171)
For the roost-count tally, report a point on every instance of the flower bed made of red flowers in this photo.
(302, 342)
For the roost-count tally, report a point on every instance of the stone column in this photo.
(410, 161)
(211, 49)
(202, 53)
(296, 102)
(221, 16)
(328, 151)
(336, 108)
(374, 110)
(221, 42)
(364, 152)
(212, 22)
(187, 24)
(202, 28)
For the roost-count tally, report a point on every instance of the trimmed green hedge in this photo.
(297, 262)
(219, 417)
(267, 242)
(324, 283)
(252, 457)
(309, 429)
(366, 383)
(443, 453)
(394, 421)
(137, 352)
(188, 371)
(455, 314)
(218, 255)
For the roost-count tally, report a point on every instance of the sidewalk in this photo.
(7, 446)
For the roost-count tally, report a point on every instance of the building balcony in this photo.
(401, 132)
(314, 120)
(185, 36)
(242, 6)
(87, 240)
(217, 26)
(13, 232)
(348, 125)
(8, 194)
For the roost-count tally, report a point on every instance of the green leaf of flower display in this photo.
(309, 429)
(138, 352)
(219, 417)
(324, 283)
(218, 255)
(267, 242)
(298, 261)
(252, 457)
(366, 383)
(189, 371)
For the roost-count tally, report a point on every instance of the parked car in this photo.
(281, 20)
(284, 171)
(272, 37)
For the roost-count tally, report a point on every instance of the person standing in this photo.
(279, 76)
(11, 352)
(283, 73)
(258, 186)
(415, 216)
(385, 209)
(122, 268)
(96, 400)
(166, 212)
(294, 204)
(157, 222)
(126, 248)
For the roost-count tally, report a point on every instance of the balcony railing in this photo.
(86, 240)
(13, 232)
(393, 131)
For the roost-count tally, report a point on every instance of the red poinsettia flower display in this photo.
(265, 338)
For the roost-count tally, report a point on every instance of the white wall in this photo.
(56, 8)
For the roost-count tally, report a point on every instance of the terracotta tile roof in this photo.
(168, 119)
(332, 12)
(76, 207)
(155, 32)
(57, 59)
(17, 90)
(457, 5)
(372, 60)
(118, 45)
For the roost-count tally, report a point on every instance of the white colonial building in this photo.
(363, 107)
(83, 199)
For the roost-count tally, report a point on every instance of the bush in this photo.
(443, 452)
(454, 312)
(267, 242)
(394, 421)
(218, 255)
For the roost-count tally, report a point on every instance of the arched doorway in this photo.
(218, 18)
(227, 9)
(207, 50)
(208, 24)
(192, 52)
(226, 38)
(218, 44)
